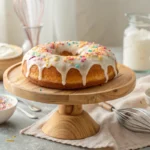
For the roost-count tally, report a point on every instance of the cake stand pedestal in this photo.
(70, 121)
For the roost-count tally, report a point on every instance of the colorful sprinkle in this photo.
(77, 66)
(52, 45)
(89, 50)
(100, 57)
(70, 58)
(95, 46)
(32, 57)
(56, 58)
(49, 51)
(83, 59)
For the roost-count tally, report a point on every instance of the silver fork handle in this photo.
(27, 114)
(31, 107)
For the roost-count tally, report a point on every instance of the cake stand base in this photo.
(70, 122)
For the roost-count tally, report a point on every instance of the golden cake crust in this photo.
(51, 78)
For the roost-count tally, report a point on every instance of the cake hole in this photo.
(65, 53)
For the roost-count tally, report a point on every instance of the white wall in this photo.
(101, 21)
(14, 32)
(3, 34)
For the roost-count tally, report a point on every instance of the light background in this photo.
(100, 21)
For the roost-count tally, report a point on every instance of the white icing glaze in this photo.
(6, 51)
(50, 57)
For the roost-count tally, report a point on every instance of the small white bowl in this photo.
(8, 112)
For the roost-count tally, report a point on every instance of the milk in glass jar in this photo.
(136, 44)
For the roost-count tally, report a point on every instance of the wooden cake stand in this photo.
(70, 121)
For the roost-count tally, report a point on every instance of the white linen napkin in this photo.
(111, 134)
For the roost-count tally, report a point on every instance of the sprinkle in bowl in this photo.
(7, 107)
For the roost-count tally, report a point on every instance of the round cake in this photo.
(69, 65)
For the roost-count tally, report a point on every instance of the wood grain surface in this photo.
(17, 84)
(70, 126)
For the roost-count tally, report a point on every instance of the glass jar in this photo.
(32, 35)
(136, 44)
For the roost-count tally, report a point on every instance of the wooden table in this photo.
(13, 127)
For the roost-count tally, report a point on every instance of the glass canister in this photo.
(32, 37)
(136, 44)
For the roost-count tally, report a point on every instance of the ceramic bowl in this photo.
(7, 62)
(8, 112)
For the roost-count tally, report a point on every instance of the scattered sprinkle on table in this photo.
(11, 139)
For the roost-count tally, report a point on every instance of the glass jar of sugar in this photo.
(136, 44)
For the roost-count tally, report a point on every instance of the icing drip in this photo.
(40, 73)
(115, 70)
(85, 55)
